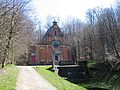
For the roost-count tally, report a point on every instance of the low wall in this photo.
(74, 71)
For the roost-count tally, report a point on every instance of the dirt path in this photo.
(29, 79)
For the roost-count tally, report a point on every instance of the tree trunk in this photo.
(3, 63)
(4, 58)
(5, 53)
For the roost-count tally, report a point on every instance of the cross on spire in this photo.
(54, 22)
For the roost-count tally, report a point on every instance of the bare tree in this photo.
(13, 24)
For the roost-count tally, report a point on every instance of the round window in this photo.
(55, 44)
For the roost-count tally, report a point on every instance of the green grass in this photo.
(56, 80)
(8, 77)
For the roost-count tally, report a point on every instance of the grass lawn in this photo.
(56, 80)
(8, 77)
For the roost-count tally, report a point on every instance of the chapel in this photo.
(52, 47)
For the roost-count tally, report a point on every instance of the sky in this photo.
(66, 8)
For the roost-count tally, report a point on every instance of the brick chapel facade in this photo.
(52, 47)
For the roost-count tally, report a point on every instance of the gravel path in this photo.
(29, 79)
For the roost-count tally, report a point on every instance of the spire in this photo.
(54, 22)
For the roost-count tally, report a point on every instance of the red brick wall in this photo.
(46, 51)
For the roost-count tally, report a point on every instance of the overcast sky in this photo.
(65, 8)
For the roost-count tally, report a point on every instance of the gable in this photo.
(54, 32)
